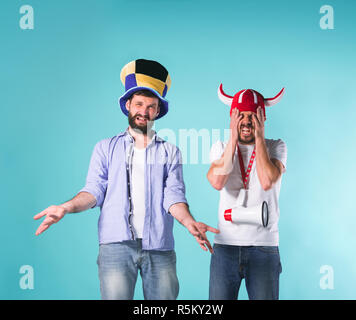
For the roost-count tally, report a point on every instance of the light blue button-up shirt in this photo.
(108, 180)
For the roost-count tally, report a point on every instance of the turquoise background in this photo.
(59, 85)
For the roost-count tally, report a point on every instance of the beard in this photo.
(140, 128)
(246, 138)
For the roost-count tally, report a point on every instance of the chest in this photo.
(150, 162)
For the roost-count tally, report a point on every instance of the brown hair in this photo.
(145, 93)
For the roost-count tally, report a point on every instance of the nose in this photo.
(143, 111)
(246, 121)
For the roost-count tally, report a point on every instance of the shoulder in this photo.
(216, 150)
(173, 153)
(106, 142)
(276, 144)
(218, 146)
(277, 149)
(104, 145)
(168, 146)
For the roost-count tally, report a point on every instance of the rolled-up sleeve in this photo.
(278, 151)
(97, 178)
(174, 190)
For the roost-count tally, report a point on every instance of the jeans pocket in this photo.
(268, 249)
(170, 254)
(101, 246)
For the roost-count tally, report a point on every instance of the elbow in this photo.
(216, 184)
(267, 182)
(267, 185)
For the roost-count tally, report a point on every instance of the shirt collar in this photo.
(126, 134)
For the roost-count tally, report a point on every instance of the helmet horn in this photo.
(224, 97)
(272, 101)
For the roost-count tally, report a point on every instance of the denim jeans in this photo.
(260, 266)
(120, 262)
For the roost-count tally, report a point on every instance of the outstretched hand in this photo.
(53, 215)
(198, 230)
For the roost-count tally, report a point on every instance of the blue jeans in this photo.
(260, 266)
(120, 262)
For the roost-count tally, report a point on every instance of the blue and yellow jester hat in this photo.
(149, 75)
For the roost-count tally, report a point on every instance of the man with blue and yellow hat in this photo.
(136, 179)
(145, 75)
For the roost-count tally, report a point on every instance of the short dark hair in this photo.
(145, 93)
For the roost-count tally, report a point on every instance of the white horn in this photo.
(224, 97)
(272, 101)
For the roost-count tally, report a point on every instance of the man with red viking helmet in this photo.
(247, 166)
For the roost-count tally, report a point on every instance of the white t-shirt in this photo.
(249, 234)
(138, 191)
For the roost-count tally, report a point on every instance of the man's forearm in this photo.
(227, 159)
(181, 213)
(267, 172)
(220, 169)
(81, 202)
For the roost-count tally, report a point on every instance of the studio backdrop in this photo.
(60, 65)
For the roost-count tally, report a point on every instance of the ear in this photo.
(158, 109)
(127, 104)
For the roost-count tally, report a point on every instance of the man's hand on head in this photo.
(259, 124)
(234, 124)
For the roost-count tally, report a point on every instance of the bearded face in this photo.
(142, 112)
(140, 122)
(246, 129)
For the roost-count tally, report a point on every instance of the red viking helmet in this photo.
(248, 100)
